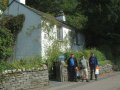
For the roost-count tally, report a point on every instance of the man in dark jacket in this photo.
(93, 63)
(72, 65)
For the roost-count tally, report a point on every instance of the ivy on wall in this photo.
(14, 24)
(9, 28)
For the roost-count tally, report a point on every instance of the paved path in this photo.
(111, 83)
(107, 82)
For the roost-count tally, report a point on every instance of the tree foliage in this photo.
(53, 6)
(103, 23)
(3, 4)
(6, 43)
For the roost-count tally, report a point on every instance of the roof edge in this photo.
(35, 11)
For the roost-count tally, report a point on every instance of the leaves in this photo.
(9, 28)
(6, 43)
(3, 4)
(103, 24)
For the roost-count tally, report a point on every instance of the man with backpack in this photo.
(84, 69)
(72, 65)
(93, 63)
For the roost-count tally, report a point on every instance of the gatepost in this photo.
(61, 71)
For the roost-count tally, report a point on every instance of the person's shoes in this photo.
(82, 80)
(96, 79)
(76, 80)
(87, 80)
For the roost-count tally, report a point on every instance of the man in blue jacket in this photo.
(93, 63)
(72, 64)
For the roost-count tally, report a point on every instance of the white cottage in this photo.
(34, 38)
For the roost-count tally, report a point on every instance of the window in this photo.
(60, 33)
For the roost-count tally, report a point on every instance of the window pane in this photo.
(60, 34)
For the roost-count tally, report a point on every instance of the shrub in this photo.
(87, 53)
(28, 63)
(100, 56)
(6, 43)
(5, 66)
(78, 55)
(52, 54)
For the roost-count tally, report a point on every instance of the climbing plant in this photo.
(9, 28)
(14, 24)
(6, 42)
(53, 46)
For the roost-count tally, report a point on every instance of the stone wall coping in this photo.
(44, 67)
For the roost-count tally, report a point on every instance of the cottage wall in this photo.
(33, 39)
(48, 38)
(29, 39)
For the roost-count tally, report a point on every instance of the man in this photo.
(93, 63)
(84, 69)
(72, 65)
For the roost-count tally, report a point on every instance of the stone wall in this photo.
(24, 80)
(106, 68)
(103, 69)
(61, 72)
(65, 74)
(116, 67)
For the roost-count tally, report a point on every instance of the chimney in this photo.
(20, 1)
(61, 16)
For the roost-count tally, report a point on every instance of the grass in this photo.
(28, 63)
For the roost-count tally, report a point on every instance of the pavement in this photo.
(108, 81)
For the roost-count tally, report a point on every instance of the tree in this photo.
(102, 27)
(53, 6)
(3, 4)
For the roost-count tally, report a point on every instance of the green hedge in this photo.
(87, 52)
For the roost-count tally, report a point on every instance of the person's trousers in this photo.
(72, 73)
(84, 73)
(92, 71)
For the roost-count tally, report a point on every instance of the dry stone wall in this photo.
(106, 68)
(24, 80)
